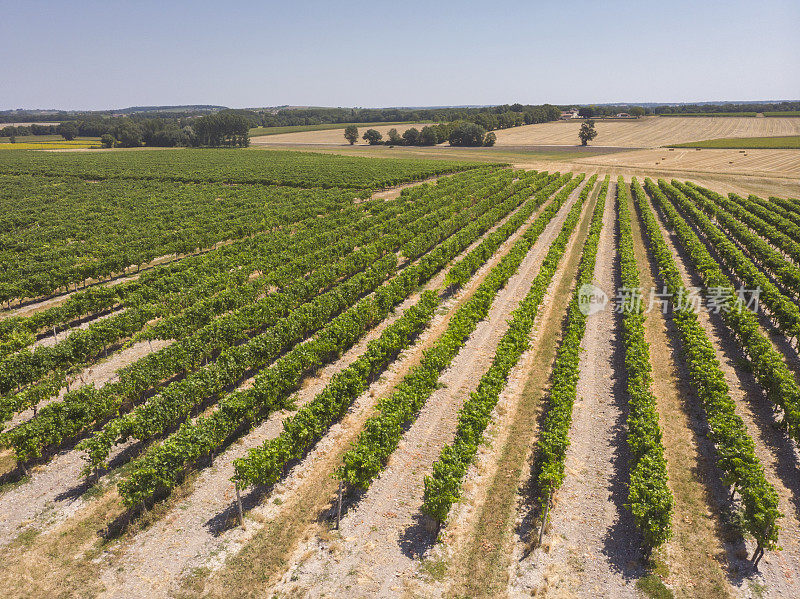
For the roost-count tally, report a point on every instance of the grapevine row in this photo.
(650, 499)
(767, 364)
(265, 464)
(735, 450)
(79, 410)
(788, 207)
(177, 400)
(443, 487)
(463, 270)
(178, 276)
(785, 312)
(224, 331)
(382, 432)
(59, 234)
(162, 467)
(752, 243)
(770, 215)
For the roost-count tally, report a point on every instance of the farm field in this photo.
(35, 142)
(765, 163)
(248, 373)
(267, 131)
(783, 142)
(650, 132)
(646, 132)
(329, 135)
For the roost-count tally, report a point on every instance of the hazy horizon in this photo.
(110, 55)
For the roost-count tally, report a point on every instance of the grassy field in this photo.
(783, 113)
(788, 142)
(256, 131)
(714, 114)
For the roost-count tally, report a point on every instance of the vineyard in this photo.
(249, 373)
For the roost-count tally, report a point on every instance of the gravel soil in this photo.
(55, 490)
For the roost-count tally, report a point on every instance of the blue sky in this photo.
(95, 55)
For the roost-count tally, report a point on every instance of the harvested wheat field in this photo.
(645, 132)
(327, 137)
(776, 163)
(648, 132)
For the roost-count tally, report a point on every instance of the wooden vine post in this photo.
(544, 518)
(239, 507)
(339, 507)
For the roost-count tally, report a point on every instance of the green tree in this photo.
(351, 134)
(373, 137)
(467, 134)
(411, 136)
(107, 140)
(224, 128)
(587, 132)
(394, 138)
(129, 134)
(68, 131)
(637, 111)
(586, 112)
(428, 136)
(490, 139)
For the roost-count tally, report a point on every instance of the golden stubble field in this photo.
(648, 132)
(329, 136)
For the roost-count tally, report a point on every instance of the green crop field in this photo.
(788, 142)
(182, 331)
(297, 169)
(715, 114)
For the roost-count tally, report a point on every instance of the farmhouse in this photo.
(569, 114)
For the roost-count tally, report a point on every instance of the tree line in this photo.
(489, 117)
(223, 128)
(459, 133)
